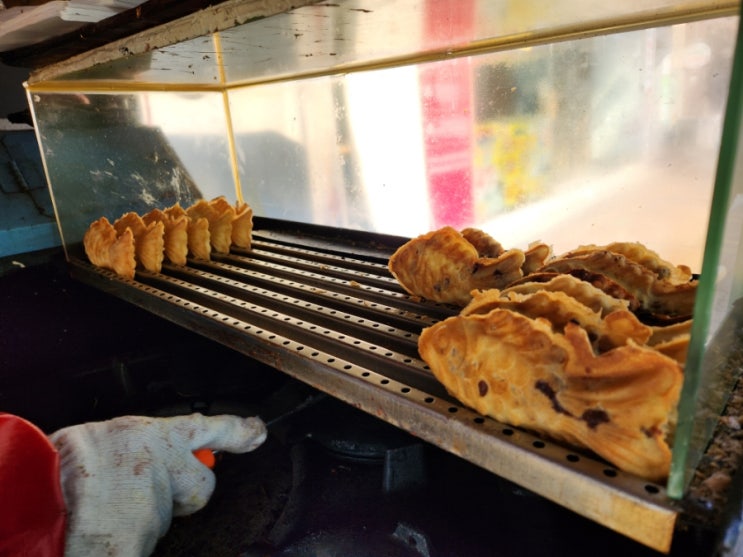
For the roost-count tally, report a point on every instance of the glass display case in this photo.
(571, 124)
(489, 114)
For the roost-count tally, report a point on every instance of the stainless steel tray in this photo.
(327, 312)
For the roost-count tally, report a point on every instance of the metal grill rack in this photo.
(329, 313)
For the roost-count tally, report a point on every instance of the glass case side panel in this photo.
(337, 151)
(615, 136)
(108, 154)
(715, 353)
(612, 138)
(196, 128)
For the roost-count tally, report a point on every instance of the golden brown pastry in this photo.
(242, 226)
(199, 244)
(660, 299)
(175, 235)
(519, 371)
(445, 267)
(487, 246)
(219, 216)
(581, 290)
(637, 252)
(663, 333)
(535, 257)
(672, 340)
(676, 348)
(484, 243)
(172, 233)
(105, 248)
(615, 329)
(148, 240)
(597, 280)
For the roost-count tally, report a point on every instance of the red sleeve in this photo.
(32, 513)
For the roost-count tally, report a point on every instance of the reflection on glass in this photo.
(195, 126)
(590, 141)
(612, 138)
(107, 154)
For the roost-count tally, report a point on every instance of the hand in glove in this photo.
(125, 478)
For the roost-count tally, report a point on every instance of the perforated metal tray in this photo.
(328, 313)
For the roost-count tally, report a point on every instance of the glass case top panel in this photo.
(340, 36)
(188, 63)
(359, 32)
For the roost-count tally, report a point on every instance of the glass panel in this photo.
(324, 36)
(713, 363)
(592, 141)
(109, 154)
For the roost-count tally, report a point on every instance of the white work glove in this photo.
(124, 479)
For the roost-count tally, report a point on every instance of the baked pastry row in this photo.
(587, 347)
(173, 233)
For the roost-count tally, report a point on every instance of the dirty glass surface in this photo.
(105, 156)
(609, 138)
(338, 36)
(604, 139)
